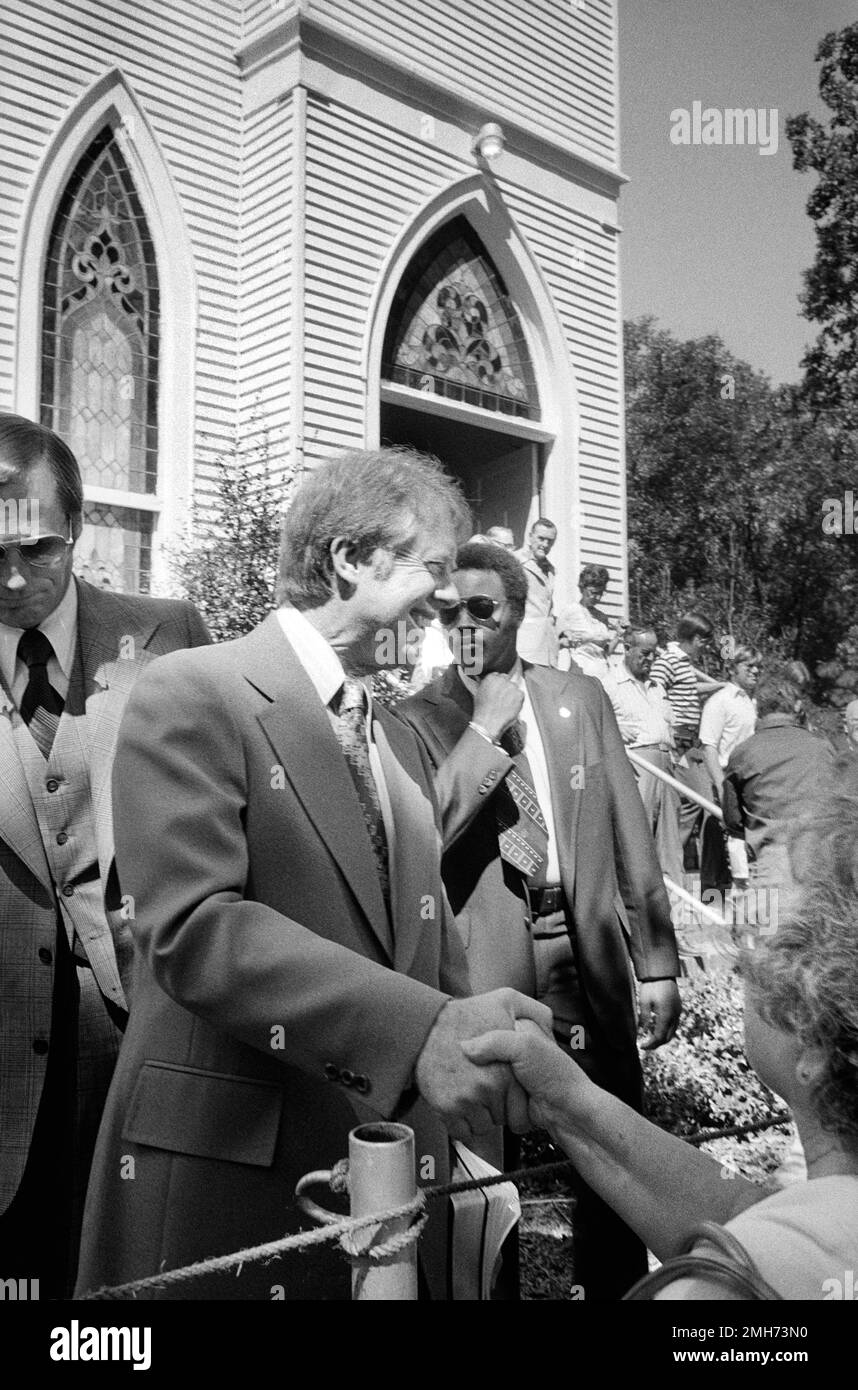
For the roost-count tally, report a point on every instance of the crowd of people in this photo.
(246, 906)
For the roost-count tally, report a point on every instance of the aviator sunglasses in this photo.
(479, 607)
(41, 552)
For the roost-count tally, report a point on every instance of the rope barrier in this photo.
(387, 1248)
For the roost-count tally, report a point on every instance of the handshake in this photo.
(492, 1060)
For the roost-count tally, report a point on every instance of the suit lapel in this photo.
(415, 865)
(113, 637)
(18, 824)
(455, 708)
(298, 728)
(563, 739)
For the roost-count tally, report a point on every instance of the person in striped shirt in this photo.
(676, 670)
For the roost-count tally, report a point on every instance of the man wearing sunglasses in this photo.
(69, 655)
(549, 862)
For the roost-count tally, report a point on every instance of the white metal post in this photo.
(382, 1175)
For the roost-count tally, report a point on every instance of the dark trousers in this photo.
(39, 1232)
(714, 864)
(608, 1257)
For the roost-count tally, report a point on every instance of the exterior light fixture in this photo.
(489, 141)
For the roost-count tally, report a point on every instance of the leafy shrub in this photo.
(702, 1080)
(227, 563)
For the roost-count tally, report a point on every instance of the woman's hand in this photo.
(555, 1085)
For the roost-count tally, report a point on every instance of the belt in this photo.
(545, 900)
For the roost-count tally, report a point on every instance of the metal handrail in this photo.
(701, 908)
(680, 787)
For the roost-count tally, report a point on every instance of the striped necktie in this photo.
(522, 831)
(41, 706)
(349, 720)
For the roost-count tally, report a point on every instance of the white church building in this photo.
(331, 223)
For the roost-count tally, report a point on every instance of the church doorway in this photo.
(458, 382)
(499, 473)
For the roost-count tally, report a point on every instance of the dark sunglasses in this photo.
(42, 552)
(478, 606)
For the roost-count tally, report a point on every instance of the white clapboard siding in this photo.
(550, 63)
(365, 183)
(267, 272)
(178, 61)
(579, 261)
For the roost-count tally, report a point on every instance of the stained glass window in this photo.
(453, 330)
(100, 352)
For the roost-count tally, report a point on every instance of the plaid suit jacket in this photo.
(118, 636)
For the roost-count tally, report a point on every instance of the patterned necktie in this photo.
(350, 728)
(522, 831)
(41, 706)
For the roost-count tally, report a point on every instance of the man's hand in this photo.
(497, 704)
(660, 1007)
(555, 1085)
(471, 1099)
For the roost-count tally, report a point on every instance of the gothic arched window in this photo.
(453, 330)
(100, 362)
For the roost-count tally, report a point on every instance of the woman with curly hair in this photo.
(801, 1037)
(591, 635)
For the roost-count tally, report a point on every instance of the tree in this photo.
(727, 481)
(831, 285)
(227, 564)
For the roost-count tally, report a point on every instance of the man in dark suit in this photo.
(549, 862)
(298, 972)
(69, 656)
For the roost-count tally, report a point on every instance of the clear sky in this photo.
(715, 237)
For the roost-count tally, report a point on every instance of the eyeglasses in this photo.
(478, 606)
(439, 569)
(41, 553)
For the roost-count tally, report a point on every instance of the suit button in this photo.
(491, 777)
(484, 787)
(40, 1046)
(68, 890)
(52, 784)
(362, 1084)
(62, 837)
(45, 956)
(332, 1072)
(347, 1077)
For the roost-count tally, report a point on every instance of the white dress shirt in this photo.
(535, 754)
(643, 712)
(60, 628)
(729, 718)
(326, 672)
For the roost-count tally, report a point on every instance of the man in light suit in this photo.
(549, 862)
(297, 969)
(69, 655)
(537, 634)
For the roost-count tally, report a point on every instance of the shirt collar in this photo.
(315, 654)
(60, 628)
(779, 720)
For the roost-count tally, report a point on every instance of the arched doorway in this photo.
(457, 378)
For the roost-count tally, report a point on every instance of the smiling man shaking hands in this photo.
(298, 971)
